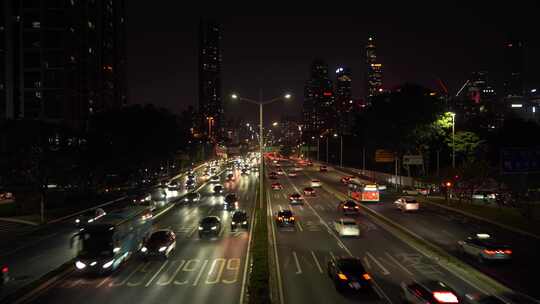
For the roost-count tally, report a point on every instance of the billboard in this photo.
(384, 156)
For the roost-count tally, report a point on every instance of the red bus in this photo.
(363, 193)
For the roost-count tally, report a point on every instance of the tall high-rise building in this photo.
(62, 60)
(374, 69)
(319, 112)
(344, 102)
(479, 88)
(210, 107)
(513, 72)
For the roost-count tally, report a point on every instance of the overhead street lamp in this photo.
(261, 103)
(453, 140)
(275, 124)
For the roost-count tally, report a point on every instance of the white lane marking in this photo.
(384, 270)
(332, 255)
(278, 271)
(156, 274)
(316, 261)
(169, 281)
(398, 263)
(248, 249)
(190, 234)
(200, 274)
(298, 269)
(366, 261)
(299, 226)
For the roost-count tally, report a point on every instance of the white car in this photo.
(411, 191)
(347, 227)
(292, 174)
(407, 204)
(381, 187)
(483, 247)
(316, 183)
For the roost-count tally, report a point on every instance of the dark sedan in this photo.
(348, 274)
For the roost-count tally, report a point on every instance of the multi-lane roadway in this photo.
(302, 252)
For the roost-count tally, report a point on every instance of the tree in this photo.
(466, 144)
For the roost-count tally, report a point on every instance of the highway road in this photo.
(445, 228)
(44, 250)
(304, 250)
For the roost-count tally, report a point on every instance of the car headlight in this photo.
(196, 199)
(200, 228)
(214, 228)
(80, 265)
(244, 222)
(77, 221)
(108, 264)
(144, 249)
(234, 223)
(163, 248)
(186, 199)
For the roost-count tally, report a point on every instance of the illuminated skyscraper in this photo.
(210, 107)
(319, 112)
(344, 102)
(374, 69)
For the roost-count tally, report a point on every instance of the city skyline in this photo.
(279, 61)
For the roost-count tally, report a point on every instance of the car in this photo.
(484, 195)
(483, 299)
(280, 171)
(231, 199)
(230, 177)
(381, 187)
(292, 174)
(239, 219)
(296, 169)
(309, 163)
(485, 248)
(347, 227)
(190, 185)
(191, 197)
(210, 225)
(428, 292)
(345, 179)
(159, 195)
(410, 191)
(255, 169)
(218, 189)
(277, 186)
(285, 217)
(146, 200)
(407, 203)
(323, 169)
(214, 179)
(191, 176)
(89, 216)
(296, 198)
(316, 183)
(272, 175)
(424, 190)
(244, 171)
(160, 243)
(349, 274)
(173, 185)
(349, 207)
(309, 191)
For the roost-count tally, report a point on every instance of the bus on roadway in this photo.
(363, 193)
(105, 244)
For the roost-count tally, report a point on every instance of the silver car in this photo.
(485, 248)
(407, 204)
(347, 227)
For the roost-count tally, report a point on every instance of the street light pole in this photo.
(453, 140)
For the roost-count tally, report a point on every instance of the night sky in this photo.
(417, 44)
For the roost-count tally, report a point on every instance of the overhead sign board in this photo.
(384, 156)
(413, 160)
(520, 160)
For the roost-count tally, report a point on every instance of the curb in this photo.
(516, 230)
(18, 221)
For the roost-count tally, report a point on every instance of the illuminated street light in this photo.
(234, 96)
(275, 124)
(288, 96)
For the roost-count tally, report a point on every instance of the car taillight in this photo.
(5, 269)
(345, 207)
(292, 218)
(366, 276)
(279, 218)
(341, 276)
(508, 251)
(356, 207)
(445, 297)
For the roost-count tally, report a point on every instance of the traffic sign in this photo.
(413, 160)
(384, 156)
(520, 160)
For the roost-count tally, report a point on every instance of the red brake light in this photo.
(366, 276)
(5, 269)
(490, 252)
(445, 297)
(508, 251)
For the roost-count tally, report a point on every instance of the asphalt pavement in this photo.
(303, 251)
(198, 271)
(31, 253)
(445, 228)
